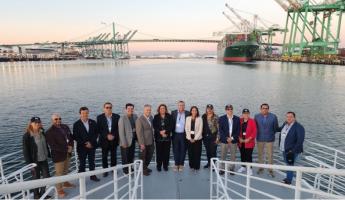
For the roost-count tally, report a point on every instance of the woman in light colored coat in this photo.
(193, 130)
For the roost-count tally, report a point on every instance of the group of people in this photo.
(184, 130)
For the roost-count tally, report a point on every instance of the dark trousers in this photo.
(211, 148)
(179, 148)
(163, 153)
(41, 170)
(112, 148)
(127, 155)
(194, 154)
(246, 154)
(90, 155)
(146, 155)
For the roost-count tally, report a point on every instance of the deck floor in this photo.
(187, 185)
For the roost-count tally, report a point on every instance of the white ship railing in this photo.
(127, 186)
(220, 185)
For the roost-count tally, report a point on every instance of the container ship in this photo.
(237, 47)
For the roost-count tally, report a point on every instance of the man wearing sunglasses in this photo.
(108, 135)
(59, 138)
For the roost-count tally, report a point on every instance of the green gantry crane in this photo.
(313, 29)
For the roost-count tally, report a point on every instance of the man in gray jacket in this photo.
(127, 135)
(144, 129)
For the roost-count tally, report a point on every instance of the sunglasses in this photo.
(229, 109)
(56, 119)
(108, 107)
(265, 108)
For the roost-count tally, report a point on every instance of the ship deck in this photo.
(188, 185)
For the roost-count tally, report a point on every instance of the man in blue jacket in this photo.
(267, 124)
(291, 142)
(229, 131)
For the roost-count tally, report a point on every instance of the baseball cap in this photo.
(209, 106)
(35, 119)
(246, 110)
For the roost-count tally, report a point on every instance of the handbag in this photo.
(290, 158)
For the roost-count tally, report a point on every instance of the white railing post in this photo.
(335, 159)
(142, 179)
(217, 180)
(298, 184)
(82, 188)
(115, 184)
(248, 183)
(129, 181)
(2, 171)
(211, 178)
(135, 178)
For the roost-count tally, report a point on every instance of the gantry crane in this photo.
(311, 35)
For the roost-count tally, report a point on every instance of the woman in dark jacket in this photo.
(35, 150)
(210, 133)
(162, 124)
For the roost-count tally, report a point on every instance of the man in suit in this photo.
(108, 135)
(291, 142)
(144, 129)
(127, 135)
(179, 135)
(229, 131)
(85, 133)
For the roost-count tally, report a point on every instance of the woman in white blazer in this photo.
(193, 129)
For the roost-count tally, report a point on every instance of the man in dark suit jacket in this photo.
(85, 133)
(229, 131)
(291, 142)
(179, 135)
(108, 135)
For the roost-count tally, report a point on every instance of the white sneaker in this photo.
(250, 172)
(242, 169)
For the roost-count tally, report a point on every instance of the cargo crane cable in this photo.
(88, 34)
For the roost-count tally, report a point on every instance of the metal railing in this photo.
(127, 186)
(224, 187)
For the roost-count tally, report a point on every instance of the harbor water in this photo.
(315, 92)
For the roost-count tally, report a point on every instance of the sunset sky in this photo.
(66, 20)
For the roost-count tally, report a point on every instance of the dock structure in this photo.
(313, 30)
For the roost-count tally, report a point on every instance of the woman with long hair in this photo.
(35, 150)
(194, 136)
(162, 124)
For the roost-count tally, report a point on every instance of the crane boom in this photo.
(247, 26)
(232, 21)
(282, 4)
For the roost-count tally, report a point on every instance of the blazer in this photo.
(81, 136)
(57, 142)
(294, 139)
(30, 148)
(250, 133)
(197, 128)
(168, 126)
(144, 130)
(102, 124)
(174, 118)
(224, 128)
(125, 130)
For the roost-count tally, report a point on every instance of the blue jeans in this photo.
(179, 148)
(289, 174)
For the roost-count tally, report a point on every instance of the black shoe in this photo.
(94, 178)
(149, 170)
(166, 169)
(221, 172)
(286, 181)
(48, 197)
(105, 174)
(206, 166)
(159, 168)
(146, 173)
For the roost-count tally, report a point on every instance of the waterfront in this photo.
(314, 92)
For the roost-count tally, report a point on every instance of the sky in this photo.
(27, 21)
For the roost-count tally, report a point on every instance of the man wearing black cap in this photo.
(229, 131)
